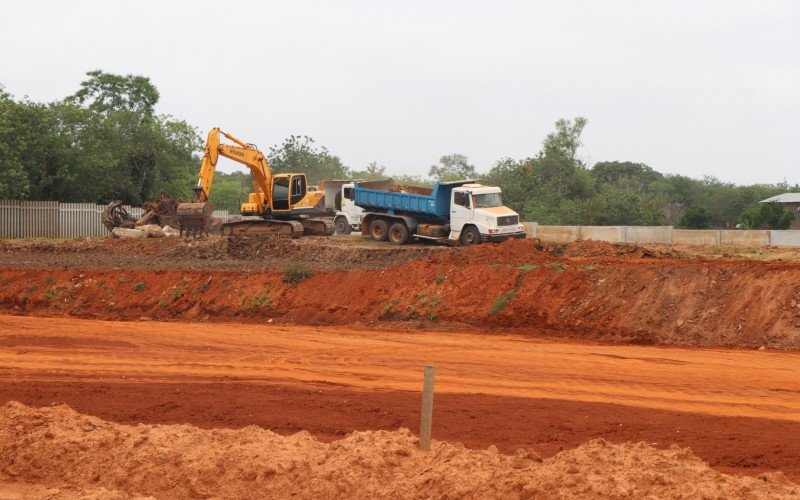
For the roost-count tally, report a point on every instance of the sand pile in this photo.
(58, 448)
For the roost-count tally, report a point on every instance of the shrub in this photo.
(296, 274)
(696, 217)
(502, 301)
(771, 215)
(138, 287)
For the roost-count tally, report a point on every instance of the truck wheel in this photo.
(470, 236)
(342, 227)
(379, 230)
(398, 233)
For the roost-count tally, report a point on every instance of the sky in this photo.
(688, 87)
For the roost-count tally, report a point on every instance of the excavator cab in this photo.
(288, 190)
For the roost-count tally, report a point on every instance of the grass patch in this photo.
(502, 301)
(262, 300)
(556, 266)
(50, 280)
(176, 293)
(527, 267)
(589, 267)
(122, 280)
(162, 304)
(49, 295)
(433, 303)
(138, 287)
(296, 274)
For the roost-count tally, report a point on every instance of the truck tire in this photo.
(398, 233)
(379, 230)
(341, 225)
(470, 236)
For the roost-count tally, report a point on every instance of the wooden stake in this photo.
(427, 408)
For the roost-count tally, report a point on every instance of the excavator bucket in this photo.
(194, 218)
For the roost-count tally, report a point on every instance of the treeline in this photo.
(103, 142)
(106, 142)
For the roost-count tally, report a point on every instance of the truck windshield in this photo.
(487, 200)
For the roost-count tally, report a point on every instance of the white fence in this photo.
(51, 219)
(664, 234)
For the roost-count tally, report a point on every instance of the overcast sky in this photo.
(696, 87)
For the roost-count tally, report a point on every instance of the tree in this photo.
(105, 142)
(696, 217)
(14, 182)
(106, 92)
(300, 154)
(230, 190)
(772, 215)
(566, 140)
(372, 172)
(452, 168)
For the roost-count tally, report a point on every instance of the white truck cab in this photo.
(477, 214)
(348, 215)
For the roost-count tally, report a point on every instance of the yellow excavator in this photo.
(282, 202)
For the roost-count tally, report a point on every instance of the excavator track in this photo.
(291, 228)
(318, 227)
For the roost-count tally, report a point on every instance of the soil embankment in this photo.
(517, 286)
(112, 460)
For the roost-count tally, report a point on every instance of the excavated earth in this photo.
(336, 373)
(98, 459)
(618, 294)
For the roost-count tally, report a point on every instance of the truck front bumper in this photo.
(498, 238)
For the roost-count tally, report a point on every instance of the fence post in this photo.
(427, 408)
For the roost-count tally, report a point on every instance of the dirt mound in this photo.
(241, 252)
(57, 447)
(514, 286)
(593, 248)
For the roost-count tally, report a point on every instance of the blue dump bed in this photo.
(435, 205)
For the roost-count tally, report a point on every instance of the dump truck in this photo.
(339, 202)
(460, 211)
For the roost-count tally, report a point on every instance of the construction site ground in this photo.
(537, 346)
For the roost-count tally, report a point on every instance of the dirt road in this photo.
(740, 410)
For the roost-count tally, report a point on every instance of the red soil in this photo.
(59, 447)
(515, 286)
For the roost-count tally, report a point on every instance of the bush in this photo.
(296, 274)
(772, 215)
(696, 217)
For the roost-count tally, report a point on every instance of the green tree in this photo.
(299, 154)
(696, 217)
(452, 168)
(372, 172)
(566, 139)
(112, 147)
(106, 92)
(772, 215)
(14, 183)
(230, 190)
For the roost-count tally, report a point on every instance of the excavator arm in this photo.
(246, 154)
